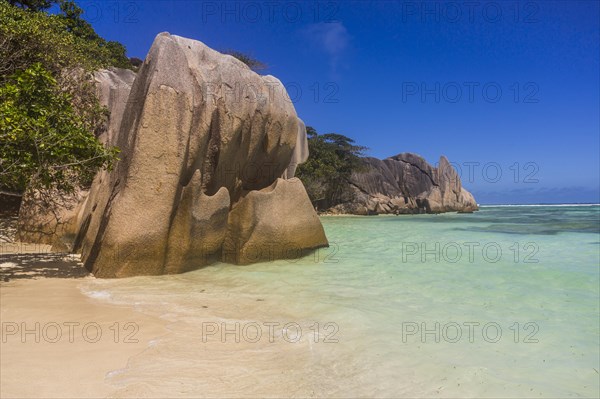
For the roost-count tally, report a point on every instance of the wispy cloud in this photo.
(332, 38)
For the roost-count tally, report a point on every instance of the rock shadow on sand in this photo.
(40, 265)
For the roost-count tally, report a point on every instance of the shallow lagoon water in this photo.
(500, 303)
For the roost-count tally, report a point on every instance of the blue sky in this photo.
(508, 91)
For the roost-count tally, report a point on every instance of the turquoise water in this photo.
(508, 298)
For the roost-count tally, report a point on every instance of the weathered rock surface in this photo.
(259, 228)
(112, 88)
(300, 154)
(406, 183)
(200, 134)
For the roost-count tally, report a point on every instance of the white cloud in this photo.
(332, 38)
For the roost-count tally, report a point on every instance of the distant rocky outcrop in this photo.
(405, 183)
(208, 153)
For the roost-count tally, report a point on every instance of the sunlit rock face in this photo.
(201, 135)
(406, 183)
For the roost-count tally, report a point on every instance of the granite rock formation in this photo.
(205, 143)
(405, 183)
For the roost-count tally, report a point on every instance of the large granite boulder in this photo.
(300, 154)
(412, 173)
(447, 194)
(260, 229)
(405, 183)
(112, 88)
(199, 132)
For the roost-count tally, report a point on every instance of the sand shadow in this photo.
(40, 265)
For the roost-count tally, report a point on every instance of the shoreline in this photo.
(459, 212)
(178, 355)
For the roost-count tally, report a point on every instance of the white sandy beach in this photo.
(168, 358)
(345, 310)
(76, 364)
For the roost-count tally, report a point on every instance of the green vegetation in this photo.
(59, 42)
(333, 158)
(106, 53)
(49, 113)
(44, 139)
(34, 5)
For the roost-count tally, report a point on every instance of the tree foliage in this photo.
(48, 95)
(59, 42)
(43, 139)
(332, 160)
(34, 5)
(107, 53)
